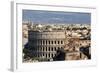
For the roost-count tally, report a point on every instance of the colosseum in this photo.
(45, 44)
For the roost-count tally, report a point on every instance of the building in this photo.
(46, 43)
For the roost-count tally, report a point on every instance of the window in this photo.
(49, 54)
(52, 42)
(41, 42)
(58, 48)
(52, 48)
(49, 48)
(61, 42)
(43, 54)
(49, 42)
(46, 41)
(52, 55)
(61, 47)
(46, 55)
(55, 42)
(58, 42)
(55, 48)
(46, 49)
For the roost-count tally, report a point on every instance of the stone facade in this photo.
(46, 43)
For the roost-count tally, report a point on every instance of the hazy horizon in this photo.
(56, 17)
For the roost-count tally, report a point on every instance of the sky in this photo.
(40, 16)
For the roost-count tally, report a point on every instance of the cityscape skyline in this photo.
(56, 17)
